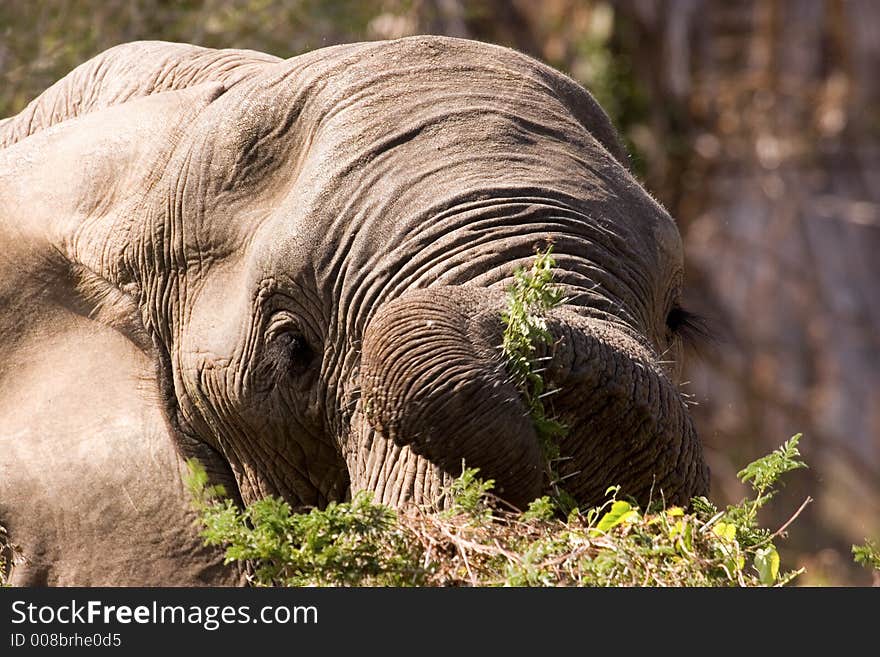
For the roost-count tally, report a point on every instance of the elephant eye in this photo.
(692, 328)
(293, 351)
(286, 347)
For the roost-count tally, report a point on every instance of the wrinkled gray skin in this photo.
(294, 270)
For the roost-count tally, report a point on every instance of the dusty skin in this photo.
(295, 271)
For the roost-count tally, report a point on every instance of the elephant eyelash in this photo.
(691, 327)
(291, 350)
(286, 354)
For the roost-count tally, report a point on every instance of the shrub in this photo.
(477, 542)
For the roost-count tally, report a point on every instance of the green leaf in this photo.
(867, 555)
(687, 538)
(725, 530)
(766, 471)
(621, 512)
(767, 564)
(542, 508)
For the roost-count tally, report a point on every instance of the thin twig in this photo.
(712, 521)
(779, 531)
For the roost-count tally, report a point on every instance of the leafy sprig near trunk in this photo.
(531, 296)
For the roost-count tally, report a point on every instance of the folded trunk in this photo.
(436, 393)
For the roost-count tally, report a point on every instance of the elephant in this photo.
(296, 271)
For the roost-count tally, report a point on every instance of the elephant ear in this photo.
(126, 72)
(88, 461)
(78, 189)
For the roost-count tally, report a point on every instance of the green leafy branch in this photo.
(531, 296)
(344, 544)
(868, 555)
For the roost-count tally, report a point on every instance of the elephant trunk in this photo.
(436, 392)
(433, 381)
(627, 423)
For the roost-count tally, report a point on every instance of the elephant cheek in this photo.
(206, 344)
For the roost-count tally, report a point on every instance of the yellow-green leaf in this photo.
(725, 530)
(620, 512)
(686, 541)
(767, 565)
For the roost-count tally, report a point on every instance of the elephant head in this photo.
(315, 252)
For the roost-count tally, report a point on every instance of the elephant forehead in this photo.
(356, 100)
(355, 148)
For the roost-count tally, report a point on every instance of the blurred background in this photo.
(755, 122)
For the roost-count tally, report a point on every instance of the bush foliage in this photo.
(476, 541)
